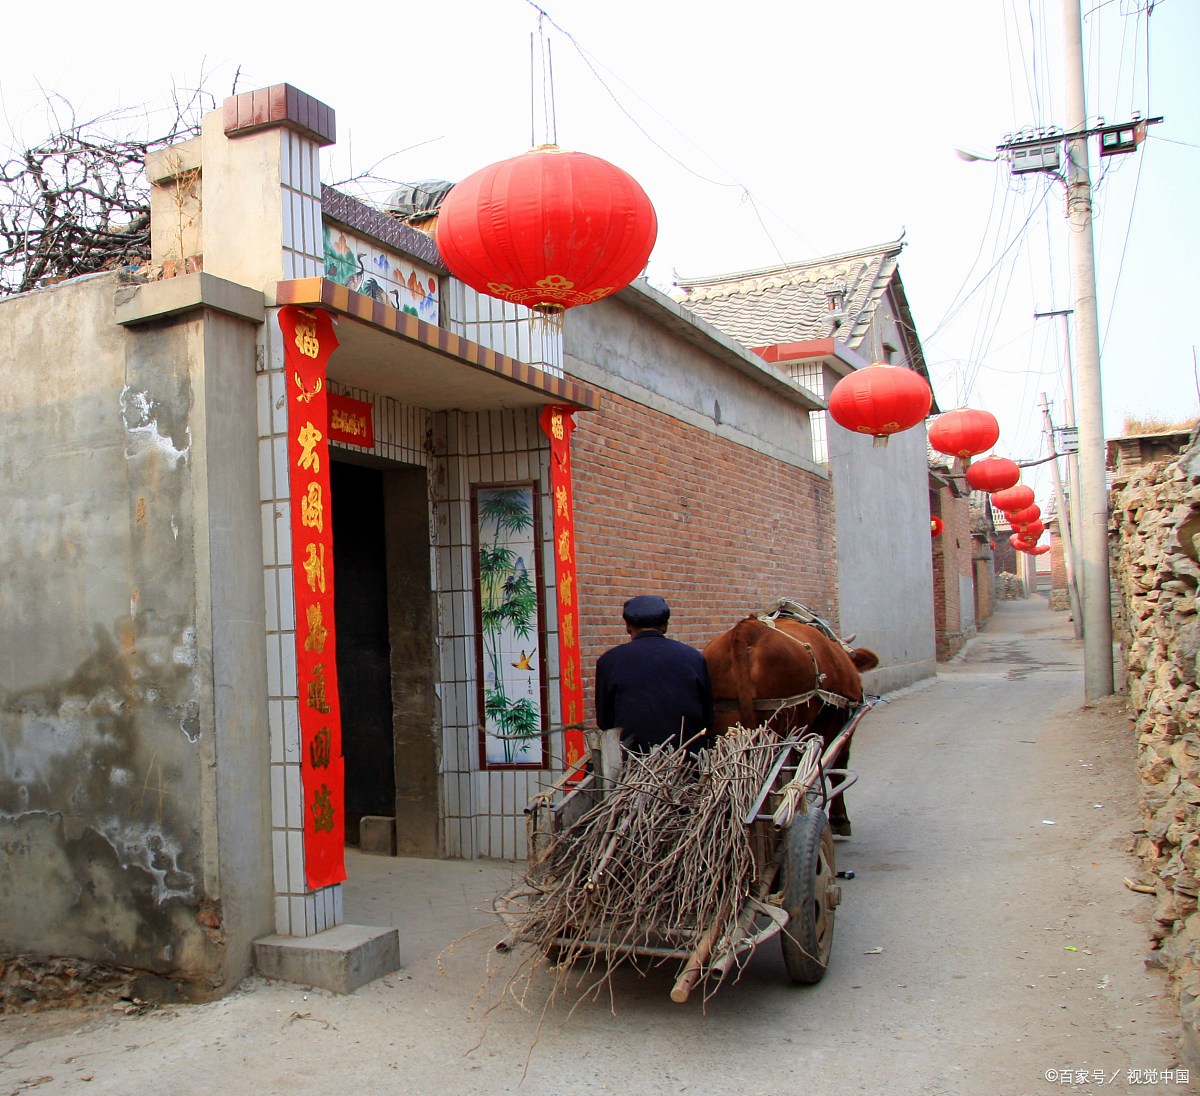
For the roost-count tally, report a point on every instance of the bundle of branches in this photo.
(661, 866)
(77, 201)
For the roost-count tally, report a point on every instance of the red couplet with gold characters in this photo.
(557, 424)
(308, 340)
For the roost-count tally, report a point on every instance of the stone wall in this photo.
(1009, 587)
(1156, 542)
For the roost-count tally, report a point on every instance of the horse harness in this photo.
(775, 705)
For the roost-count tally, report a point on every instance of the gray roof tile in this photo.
(791, 303)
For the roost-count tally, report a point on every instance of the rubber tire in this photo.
(808, 874)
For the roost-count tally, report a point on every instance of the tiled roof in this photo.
(791, 303)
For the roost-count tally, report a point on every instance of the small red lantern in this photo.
(1031, 530)
(964, 433)
(1024, 515)
(1020, 543)
(1038, 549)
(880, 400)
(936, 525)
(549, 229)
(1016, 497)
(993, 474)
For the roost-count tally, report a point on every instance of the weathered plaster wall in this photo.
(1156, 521)
(129, 626)
(886, 574)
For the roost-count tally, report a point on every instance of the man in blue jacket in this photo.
(654, 688)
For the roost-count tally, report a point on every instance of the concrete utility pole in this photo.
(1064, 314)
(1065, 524)
(1093, 488)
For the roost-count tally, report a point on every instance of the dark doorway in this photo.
(363, 644)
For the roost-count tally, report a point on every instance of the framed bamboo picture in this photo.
(509, 620)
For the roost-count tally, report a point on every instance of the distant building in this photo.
(819, 321)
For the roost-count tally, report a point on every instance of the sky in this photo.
(768, 132)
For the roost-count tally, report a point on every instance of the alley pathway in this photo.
(987, 945)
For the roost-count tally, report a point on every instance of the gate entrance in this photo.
(385, 631)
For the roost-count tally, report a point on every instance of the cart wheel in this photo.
(810, 896)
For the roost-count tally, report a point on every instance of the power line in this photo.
(1017, 238)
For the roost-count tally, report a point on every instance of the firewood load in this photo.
(662, 868)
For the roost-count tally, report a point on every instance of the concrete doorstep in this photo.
(339, 959)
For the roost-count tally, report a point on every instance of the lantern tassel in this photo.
(881, 441)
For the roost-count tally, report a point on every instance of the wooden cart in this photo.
(795, 891)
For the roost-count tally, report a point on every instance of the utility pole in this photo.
(1038, 150)
(1064, 524)
(1093, 488)
(1072, 454)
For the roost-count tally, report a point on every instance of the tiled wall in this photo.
(506, 328)
(298, 911)
(301, 198)
(484, 810)
(401, 434)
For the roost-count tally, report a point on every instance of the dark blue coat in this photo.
(650, 687)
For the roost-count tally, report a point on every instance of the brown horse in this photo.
(792, 676)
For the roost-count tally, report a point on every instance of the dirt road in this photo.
(986, 947)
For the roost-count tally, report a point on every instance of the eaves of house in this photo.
(821, 309)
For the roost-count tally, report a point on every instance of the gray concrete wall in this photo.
(885, 568)
(642, 356)
(133, 796)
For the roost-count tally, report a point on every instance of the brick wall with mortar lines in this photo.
(719, 530)
(952, 559)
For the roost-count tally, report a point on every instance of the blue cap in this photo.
(646, 611)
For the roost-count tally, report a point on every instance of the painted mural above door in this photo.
(381, 274)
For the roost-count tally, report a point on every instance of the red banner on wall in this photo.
(351, 421)
(308, 341)
(557, 424)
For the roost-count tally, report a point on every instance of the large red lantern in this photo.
(993, 474)
(964, 433)
(549, 229)
(1016, 497)
(880, 400)
(1024, 514)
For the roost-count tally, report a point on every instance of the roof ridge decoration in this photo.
(791, 272)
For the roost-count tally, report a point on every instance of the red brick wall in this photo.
(717, 529)
(952, 557)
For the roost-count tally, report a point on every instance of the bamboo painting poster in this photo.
(509, 626)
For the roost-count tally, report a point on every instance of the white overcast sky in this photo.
(766, 131)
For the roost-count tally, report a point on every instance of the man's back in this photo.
(655, 689)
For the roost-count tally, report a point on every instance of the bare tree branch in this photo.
(78, 202)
